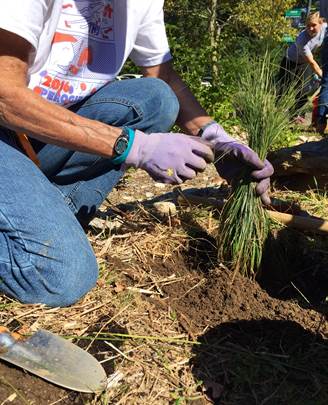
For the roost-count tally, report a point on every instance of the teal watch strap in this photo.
(118, 160)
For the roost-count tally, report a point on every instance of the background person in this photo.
(322, 110)
(298, 65)
(58, 63)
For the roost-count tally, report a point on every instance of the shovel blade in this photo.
(59, 361)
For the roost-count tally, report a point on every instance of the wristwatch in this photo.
(122, 142)
(201, 131)
(122, 145)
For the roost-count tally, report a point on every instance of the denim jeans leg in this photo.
(323, 95)
(45, 256)
(85, 180)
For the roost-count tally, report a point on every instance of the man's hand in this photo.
(317, 78)
(232, 157)
(168, 157)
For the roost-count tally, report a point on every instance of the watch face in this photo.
(121, 145)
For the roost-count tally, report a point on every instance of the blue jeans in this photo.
(323, 95)
(45, 256)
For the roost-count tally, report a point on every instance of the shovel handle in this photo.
(14, 335)
(27, 147)
(294, 221)
(7, 339)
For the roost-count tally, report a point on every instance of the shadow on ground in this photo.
(295, 267)
(262, 362)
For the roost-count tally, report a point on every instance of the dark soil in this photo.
(255, 345)
(31, 390)
(212, 299)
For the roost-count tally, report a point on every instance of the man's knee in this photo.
(164, 102)
(147, 102)
(54, 284)
(78, 276)
(74, 285)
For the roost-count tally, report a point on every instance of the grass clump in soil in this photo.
(244, 223)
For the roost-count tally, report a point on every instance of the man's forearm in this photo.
(314, 65)
(316, 68)
(191, 115)
(24, 111)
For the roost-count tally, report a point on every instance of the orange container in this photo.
(315, 105)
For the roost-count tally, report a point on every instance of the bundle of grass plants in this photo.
(244, 223)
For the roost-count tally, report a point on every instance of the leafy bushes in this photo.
(242, 31)
(242, 34)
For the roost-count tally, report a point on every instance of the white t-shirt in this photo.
(80, 45)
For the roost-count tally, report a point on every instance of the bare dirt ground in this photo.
(169, 323)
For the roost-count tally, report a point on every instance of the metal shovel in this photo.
(54, 359)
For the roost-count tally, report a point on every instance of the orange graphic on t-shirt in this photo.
(85, 56)
(59, 37)
(84, 59)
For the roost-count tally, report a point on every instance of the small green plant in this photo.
(244, 223)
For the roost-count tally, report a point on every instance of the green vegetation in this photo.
(244, 224)
(241, 53)
(218, 51)
(210, 38)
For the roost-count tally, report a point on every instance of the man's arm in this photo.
(314, 65)
(231, 156)
(24, 111)
(192, 116)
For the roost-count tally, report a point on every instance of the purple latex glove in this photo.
(231, 157)
(169, 158)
